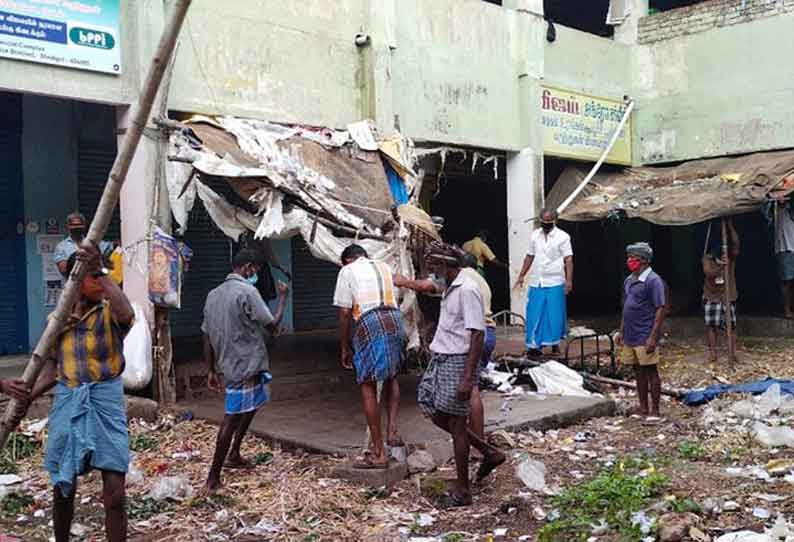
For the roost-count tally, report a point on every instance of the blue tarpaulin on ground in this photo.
(698, 397)
(396, 185)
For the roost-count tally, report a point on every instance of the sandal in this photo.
(365, 462)
(452, 499)
(492, 461)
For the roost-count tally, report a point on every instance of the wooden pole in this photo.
(726, 258)
(110, 196)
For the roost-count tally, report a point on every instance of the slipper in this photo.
(451, 499)
(489, 464)
(365, 462)
(242, 465)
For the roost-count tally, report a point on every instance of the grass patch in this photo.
(142, 509)
(19, 447)
(691, 450)
(262, 458)
(16, 503)
(614, 495)
(143, 443)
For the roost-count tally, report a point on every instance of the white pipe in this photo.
(597, 165)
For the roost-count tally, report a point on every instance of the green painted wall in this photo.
(725, 91)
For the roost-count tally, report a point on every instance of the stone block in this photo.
(396, 472)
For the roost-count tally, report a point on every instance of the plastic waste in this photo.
(134, 474)
(532, 473)
(769, 401)
(138, 353)
(743, 536)
(264, 528)
(554, 378)
(643, 521)
(761, 513)
(176, 488)
(773, 436)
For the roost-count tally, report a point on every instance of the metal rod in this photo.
(726, 258)
(110, 196)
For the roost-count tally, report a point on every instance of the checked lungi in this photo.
(248, 396)
(438, 389)
(714, 314)
(378, 345)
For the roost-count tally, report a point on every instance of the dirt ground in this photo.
(704, 459)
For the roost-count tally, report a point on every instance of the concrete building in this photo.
(709, 79)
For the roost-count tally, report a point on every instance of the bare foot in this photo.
(238, 462)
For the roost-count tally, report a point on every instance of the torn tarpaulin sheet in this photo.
(699, 397)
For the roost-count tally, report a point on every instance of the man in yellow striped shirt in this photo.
(88, 422)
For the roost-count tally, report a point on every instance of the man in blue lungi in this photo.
(373, 341)
(236, 321)
(550, 259)
(88, 419)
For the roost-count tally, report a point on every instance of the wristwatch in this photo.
(104, 271)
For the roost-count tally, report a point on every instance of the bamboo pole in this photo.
(16, 410)
(726, 258)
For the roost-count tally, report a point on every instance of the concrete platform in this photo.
(335, 424)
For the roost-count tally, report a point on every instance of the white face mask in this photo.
(441, 282)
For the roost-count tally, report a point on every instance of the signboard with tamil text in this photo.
(579, 126)
(80, 34)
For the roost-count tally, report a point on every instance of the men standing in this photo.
(236, 320)
(478, 247)
(372, 340)
(714, 272)
(550, 258)
(88, 420)
(446, 387)
(429, 286)
(784, 251)
(643, 314)
(76, 225)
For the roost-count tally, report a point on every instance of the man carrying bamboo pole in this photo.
(88, 419)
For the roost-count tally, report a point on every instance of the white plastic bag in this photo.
(138, 353)
(773, 436)
(554, 378)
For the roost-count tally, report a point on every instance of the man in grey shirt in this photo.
(236, 320)
(446, 387)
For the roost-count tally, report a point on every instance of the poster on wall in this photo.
(579, 126)
(80, 34)
(52, 291)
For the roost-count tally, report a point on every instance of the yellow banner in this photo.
(579, 126)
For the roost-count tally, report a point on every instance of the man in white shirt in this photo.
(784, 251)
(550, 259)
(372, 341)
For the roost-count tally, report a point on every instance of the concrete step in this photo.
(313, 385)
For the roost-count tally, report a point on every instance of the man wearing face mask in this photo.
(88, 422)
(77, 225)
(643, 314)
(236, 320)
(550, 259)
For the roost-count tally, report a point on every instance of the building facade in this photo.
(711, 79)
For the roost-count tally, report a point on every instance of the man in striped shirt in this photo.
(372, 340)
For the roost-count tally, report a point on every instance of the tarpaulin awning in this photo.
(680, 195)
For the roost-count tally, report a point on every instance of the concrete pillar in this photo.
(135, 206)
(626, 32)
(524, 175)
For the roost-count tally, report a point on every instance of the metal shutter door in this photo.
(314, 281)
(13, 279)
(94, 163)
(210, 264)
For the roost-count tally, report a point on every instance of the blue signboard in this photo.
(80, 34)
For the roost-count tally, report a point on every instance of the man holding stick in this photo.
(88, 420)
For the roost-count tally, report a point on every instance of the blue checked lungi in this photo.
(438, 389)
(378, 345)
(87, 429)
(546, 316)
(714, 314)
(248, 396)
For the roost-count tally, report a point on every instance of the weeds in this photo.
(691, 450)
(262, 458)
(614, 495)
(16, 503)
(143, 443)
(19, 447)
(146, 507)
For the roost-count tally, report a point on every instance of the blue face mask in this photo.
(253, 279)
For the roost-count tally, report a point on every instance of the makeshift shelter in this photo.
(331, 187)
(680, 195)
